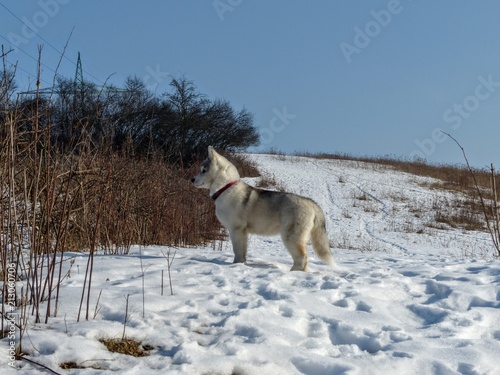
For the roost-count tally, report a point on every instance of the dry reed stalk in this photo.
(491, 223)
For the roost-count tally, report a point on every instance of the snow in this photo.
(403, 298)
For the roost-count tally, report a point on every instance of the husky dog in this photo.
(243, 209)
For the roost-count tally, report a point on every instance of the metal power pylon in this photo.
(78, 83)
(78, 89)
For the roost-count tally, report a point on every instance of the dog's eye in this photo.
(203, 170)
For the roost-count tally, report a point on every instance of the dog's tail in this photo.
(319, 238)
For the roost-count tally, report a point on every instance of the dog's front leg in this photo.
(239, 239)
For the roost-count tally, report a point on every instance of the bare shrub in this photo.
(489, 204)
(245, 166)
(269, 181)
(81, 195)
(462, 219)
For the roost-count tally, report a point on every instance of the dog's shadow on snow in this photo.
(251, 264)
(262, 265)
(212, 261)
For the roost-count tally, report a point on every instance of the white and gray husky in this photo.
(243, 209)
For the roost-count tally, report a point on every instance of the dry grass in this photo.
(362, 197)
(463, 219)
(453, 177)
(82, 193)
(70, 365)
(269, 181)
(466, 212)
(126, 346)
(458, 212)
(245, 166)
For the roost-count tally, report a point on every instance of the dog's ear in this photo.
(212, 154)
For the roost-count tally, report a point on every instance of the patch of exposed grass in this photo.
(126, 346)
(461, 219)
(268, 181)
(70, 365)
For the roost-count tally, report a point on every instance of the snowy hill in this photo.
(405, 296)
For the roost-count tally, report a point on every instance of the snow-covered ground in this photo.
(404, 297)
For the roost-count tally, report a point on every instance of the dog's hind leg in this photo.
(297, 247)
(239, 239)
(295, 236)
(299, 255)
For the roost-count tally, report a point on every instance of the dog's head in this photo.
(215, 170)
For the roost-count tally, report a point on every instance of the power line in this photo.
(35, 60)
(15, 67)
(44, 66)
(32, 57)
(46, 41)
(20, 20)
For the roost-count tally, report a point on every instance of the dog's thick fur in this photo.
(243, 209)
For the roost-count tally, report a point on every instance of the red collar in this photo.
(223, 189)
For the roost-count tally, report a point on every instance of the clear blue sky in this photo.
(361, 77)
